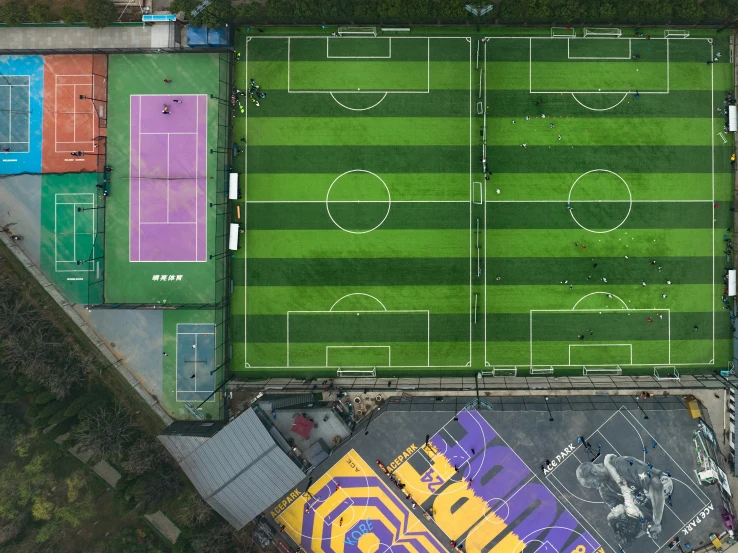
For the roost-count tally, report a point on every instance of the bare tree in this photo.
(194, 512)
(157, 486)
(104, 431)
(143, 456)
(11, 529)
(216, 540)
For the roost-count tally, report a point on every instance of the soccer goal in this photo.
(601, 371)
(603, 31)
(357, 31)
(357, 373)
(541, 370)
(666, 372)
(499, 371)
(675, 33)
(563, 32)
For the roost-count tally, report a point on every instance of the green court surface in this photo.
(69, 239)
(373, 240)
(140, 74)
(178, 370)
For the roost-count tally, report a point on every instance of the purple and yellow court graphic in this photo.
(467, 484)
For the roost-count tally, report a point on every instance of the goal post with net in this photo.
(357, 373)
(603, 32)
(563, 32)
(676, 33)
(357, 31)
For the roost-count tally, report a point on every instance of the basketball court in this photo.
(472, 480)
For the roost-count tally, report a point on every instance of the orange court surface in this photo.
(75, 106)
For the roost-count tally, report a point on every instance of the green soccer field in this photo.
(373, 240)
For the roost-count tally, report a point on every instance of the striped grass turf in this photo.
(423, 256)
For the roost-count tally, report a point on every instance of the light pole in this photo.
(83, 97)
(550, 416)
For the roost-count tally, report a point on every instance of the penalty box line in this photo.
(530, 75)
(290, 91)
(358, 311)
(328, 52)
(601, 311)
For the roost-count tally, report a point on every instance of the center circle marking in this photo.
(328, 207)
(630, 201)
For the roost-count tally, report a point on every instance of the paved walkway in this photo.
(61, 38)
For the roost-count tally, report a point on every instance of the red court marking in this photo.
(72, 124)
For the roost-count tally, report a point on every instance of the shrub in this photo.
(69, 15)
(99, 13)
(78, 404)
(42, 398)
(40, 13)
(13, 13)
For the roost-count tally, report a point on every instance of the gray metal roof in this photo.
(240, 471)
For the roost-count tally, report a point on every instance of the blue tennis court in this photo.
(195, 361)
(21, 113)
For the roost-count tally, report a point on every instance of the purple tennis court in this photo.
(168, 178)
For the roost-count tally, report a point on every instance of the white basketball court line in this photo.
(24, 88)
(86, 144)
(86, 200)
(625, 414)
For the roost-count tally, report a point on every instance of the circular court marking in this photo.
(330, 487)
(524, 542)
(376, 547)
(328, 201)
(357, 294)
(359, 109)
(595, 293)
(463, 467)
(630, 201)
(625, 95)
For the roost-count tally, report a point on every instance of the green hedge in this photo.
(506, 12)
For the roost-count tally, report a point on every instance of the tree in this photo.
(143, 456)
(69, 15)
(77, 405)
(216, 14)
(75, 513)
(42, 509)
(157, 486)
(194, 512)
(104, 431)
(12, 529)
(13, 13)
(720, 9)
(40, 13)
(10, 426)
(688, 11)
(75, 483)
(99, 13)
(218, 539)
